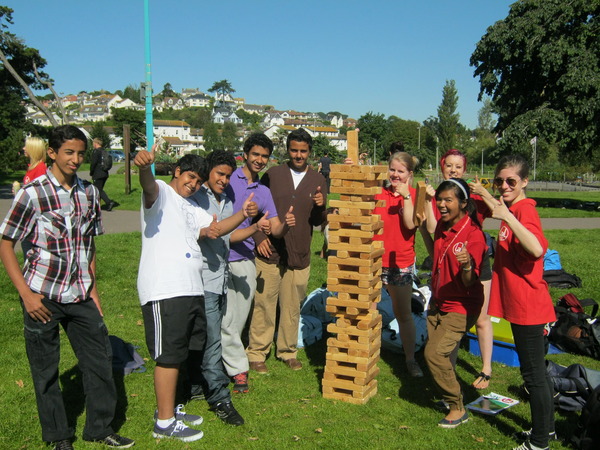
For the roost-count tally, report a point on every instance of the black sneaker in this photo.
(65, 444)
(525, 435)
(228, 414)
(116, 441)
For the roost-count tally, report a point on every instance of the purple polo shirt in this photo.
(238, 191)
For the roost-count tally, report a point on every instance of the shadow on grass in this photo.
(72, 389)
(316, 357)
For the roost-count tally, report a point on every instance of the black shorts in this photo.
(173, 327)
(485, 272)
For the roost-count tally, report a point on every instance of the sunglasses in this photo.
(498, 182)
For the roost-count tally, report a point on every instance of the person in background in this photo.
(457, 293)
(98, 173)
(519, 293)
(325, 167)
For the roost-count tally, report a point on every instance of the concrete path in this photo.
(120, 221)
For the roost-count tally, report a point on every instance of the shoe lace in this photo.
(179, 426)
(179, 410)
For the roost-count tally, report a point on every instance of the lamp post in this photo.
(419, 146)
(482, 162)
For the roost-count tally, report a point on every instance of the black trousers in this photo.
(88, 336)
(99, 183)
(531, 347)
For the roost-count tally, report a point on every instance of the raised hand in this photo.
(476, 187)
(318, 197)
(264, 224)
(290, 219)
(145, 159)
(430, 192)
(500, 210)
(402, 189)
(213, 231)
(250, 208)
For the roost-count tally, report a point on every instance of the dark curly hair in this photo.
(260, 139)
(191, 163)
(300, 135)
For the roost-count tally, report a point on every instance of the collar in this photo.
(77, 182)
(241, 176)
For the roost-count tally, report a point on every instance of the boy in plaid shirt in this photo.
(60, 215)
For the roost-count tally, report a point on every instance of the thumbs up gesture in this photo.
(264, 224)
(318, 197)
(145, 159)
(463, 257)
(290, 219)
(213, 231)
(250, 208)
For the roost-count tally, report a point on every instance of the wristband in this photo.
(467, 269)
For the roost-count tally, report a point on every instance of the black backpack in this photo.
(572, 385)
(107, 160)
(561, 279)
(587, 434)
(574, 331)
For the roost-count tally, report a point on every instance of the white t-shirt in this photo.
(171, 261)
(297, 177)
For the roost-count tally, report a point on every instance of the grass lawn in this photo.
(283, 409)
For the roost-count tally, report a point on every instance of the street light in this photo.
(419, 147)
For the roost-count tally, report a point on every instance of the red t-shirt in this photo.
(519, 292)
(398, 241)
(482, 210)
(448, 290)
(37, 171)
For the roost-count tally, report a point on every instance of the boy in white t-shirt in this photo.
(170, 282)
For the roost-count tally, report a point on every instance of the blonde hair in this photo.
(404, 158)
(36, 149)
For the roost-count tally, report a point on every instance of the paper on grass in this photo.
(492, 403)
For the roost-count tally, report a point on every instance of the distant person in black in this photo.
(324, 167)
(98, 174)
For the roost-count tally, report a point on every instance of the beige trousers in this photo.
(276, 286)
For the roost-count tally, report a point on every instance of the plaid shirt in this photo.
(60, 225)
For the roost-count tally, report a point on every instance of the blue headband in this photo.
(462, 188)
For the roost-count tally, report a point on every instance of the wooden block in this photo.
(359, 395)
(354, 289)
(339, 360)
(343, 375)
(355, 168)
(352, 144)
(352, 275)
(356, 204)
(358, 176)
(373, 190)
(419, 205)
(354, 348)
(369, 248)
(351, 232)
(369, 334)
(348, 261)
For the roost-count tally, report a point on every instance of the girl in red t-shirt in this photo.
(519, 293)
(454, 165)
(399, 243)
(457, 292)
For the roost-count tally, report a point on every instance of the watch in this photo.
(406, 197)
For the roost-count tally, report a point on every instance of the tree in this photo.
(485, 116)
(447, 126)
(168, 91)
(132, 92)
(540, 65)
(229, 137)
(212, 137)
(136, 121)
(250, 118)
(373, 132)
(223, 88)
(17, 79)
(320, 146)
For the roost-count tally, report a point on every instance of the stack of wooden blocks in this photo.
(354, 273)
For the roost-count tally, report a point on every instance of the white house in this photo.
(198, 100)
(172, 128)
(94, 113)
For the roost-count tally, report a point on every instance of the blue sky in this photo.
(385, 56)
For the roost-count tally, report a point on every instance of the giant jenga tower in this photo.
(354, 273)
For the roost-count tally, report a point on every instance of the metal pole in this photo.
(482, 162)
(419, 147)
(149, 121)
(534, 156)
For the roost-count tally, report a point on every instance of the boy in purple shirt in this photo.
(242, 283)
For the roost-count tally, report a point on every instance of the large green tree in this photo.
(373, 135)
(448, 120)
(541, 66)
(230, 138)
(136, 121)
(321, 146)
(17, 61)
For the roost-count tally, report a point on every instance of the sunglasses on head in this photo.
(498, 182)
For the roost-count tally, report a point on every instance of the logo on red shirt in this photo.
(503, 234)
(457, 248)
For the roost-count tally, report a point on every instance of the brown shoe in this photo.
(259, 366)
(293, 364)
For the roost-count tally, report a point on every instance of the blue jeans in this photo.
(211, 373)
(531, 348)
(89, 339)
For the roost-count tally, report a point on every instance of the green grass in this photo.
(283, 408)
